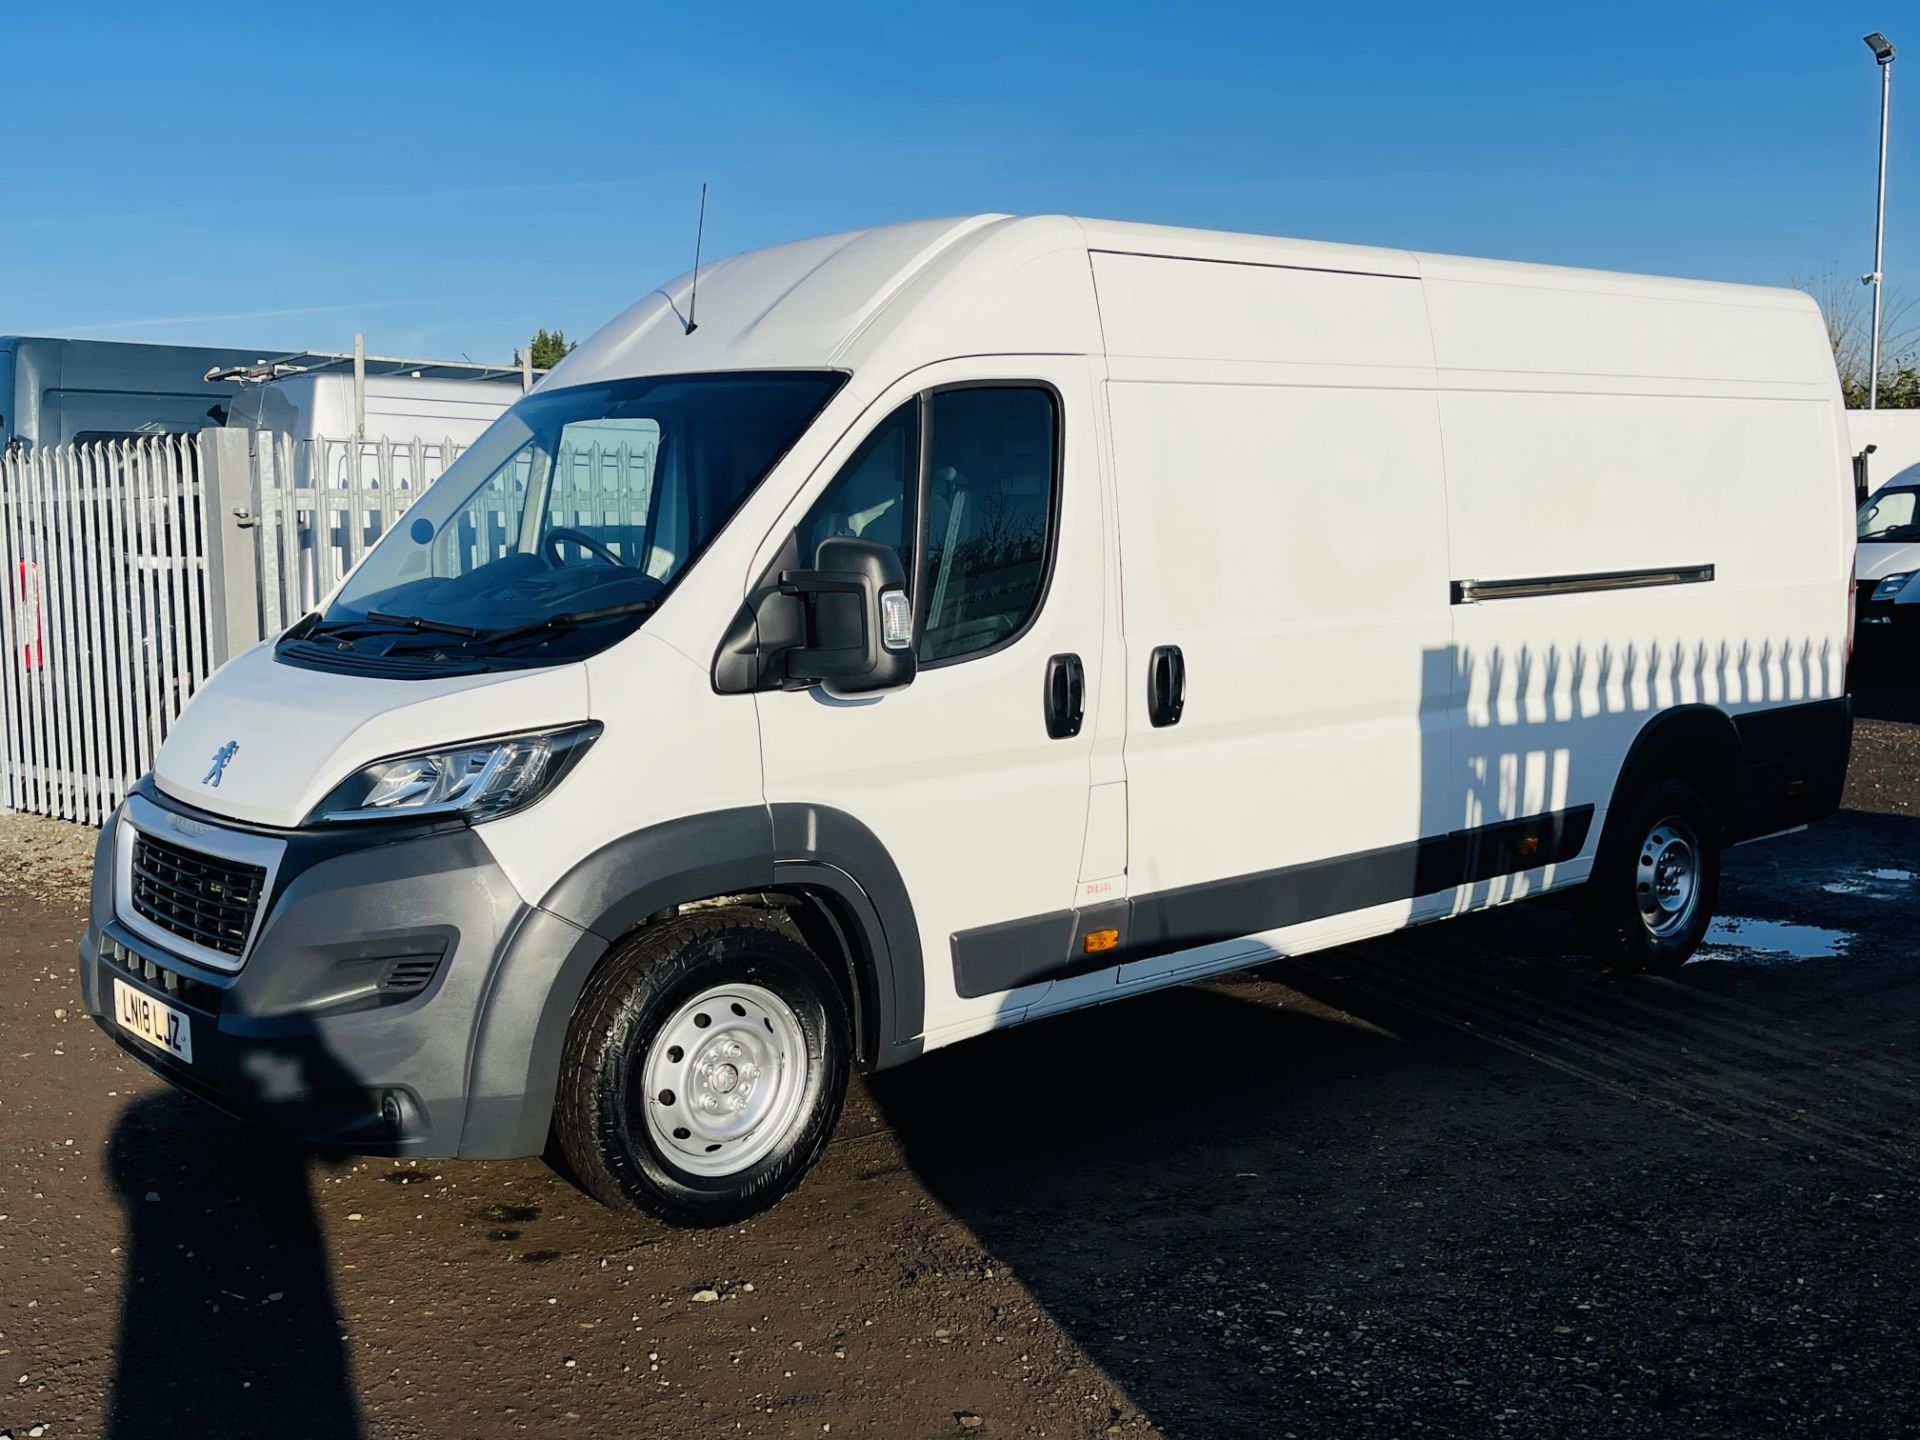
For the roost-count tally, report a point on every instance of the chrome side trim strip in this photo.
(1472, 592)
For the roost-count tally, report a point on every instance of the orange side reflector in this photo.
(1526, 845)
(1098, 940)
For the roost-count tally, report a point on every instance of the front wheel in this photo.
(1646, 907)
(705, 1068)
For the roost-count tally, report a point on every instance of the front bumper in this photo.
(1881, 626)
(355, 1020)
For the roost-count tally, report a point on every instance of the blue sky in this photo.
(447, 178)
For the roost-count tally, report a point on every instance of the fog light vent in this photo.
(411, 973)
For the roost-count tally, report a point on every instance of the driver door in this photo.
(983, 475)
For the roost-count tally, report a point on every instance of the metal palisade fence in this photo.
(103, 554)
(319, 506)
(134, 568)
(130, 570)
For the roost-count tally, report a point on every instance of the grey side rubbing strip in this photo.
(1048, 947)
(1471, 592)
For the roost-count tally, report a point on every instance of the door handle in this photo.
(1166, 685)
(1064, 697)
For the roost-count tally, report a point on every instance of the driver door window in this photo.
(980, 510)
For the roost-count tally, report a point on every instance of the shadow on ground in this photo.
(1454, 1183)
(228, 1324)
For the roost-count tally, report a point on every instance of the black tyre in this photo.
(1648, 903)
(705, 1068)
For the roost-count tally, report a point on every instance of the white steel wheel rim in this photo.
(724, 1078)
(1666, 882)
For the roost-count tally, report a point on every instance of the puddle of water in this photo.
(1886, 883)
(1770, 942)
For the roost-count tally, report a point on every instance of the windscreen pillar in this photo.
(233, 585)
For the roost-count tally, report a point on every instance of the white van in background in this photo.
(969, 621)
(400, 409)
(1888, 565)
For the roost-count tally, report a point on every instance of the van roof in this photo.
(989, 284)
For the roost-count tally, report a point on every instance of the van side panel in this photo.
(1597, 428)
(1282, 521)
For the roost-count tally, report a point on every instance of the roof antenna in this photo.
(693, 294)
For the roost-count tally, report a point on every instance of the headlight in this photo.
(1890, 585)
(479, 781)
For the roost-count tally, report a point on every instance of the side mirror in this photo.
(859, 625)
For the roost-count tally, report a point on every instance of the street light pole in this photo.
(1883, 53)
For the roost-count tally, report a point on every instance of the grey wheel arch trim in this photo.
(1703, 733)
(821, 848)
(1762, 769)
(522, 1029)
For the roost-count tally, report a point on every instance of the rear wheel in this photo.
(705, 1068)
(1647, 905)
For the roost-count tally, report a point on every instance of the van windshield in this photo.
(569, 519)
(1891, 515)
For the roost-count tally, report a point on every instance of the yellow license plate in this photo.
(154, 1021)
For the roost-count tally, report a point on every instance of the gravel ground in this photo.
(1456, 1182)
(44, 859)
(1886, 751)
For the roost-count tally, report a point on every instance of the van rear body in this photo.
(972, 620)
(393, 407)
(63, 392)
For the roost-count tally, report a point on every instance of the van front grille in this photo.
(203, 898)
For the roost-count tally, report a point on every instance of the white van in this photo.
(443, 414)
(972, 620)
(398, 407)
(1888, 563)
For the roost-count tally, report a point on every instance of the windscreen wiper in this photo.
(569, 618)
(420, 622)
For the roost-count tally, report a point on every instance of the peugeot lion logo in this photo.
(219, 767)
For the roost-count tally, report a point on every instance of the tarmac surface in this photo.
(1457, 1182)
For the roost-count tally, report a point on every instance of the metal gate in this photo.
(103, 560)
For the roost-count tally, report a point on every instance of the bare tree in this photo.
(1847, 306)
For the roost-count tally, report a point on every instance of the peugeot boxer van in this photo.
(942, 626)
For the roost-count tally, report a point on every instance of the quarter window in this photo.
(873, 495)
(970, 514)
